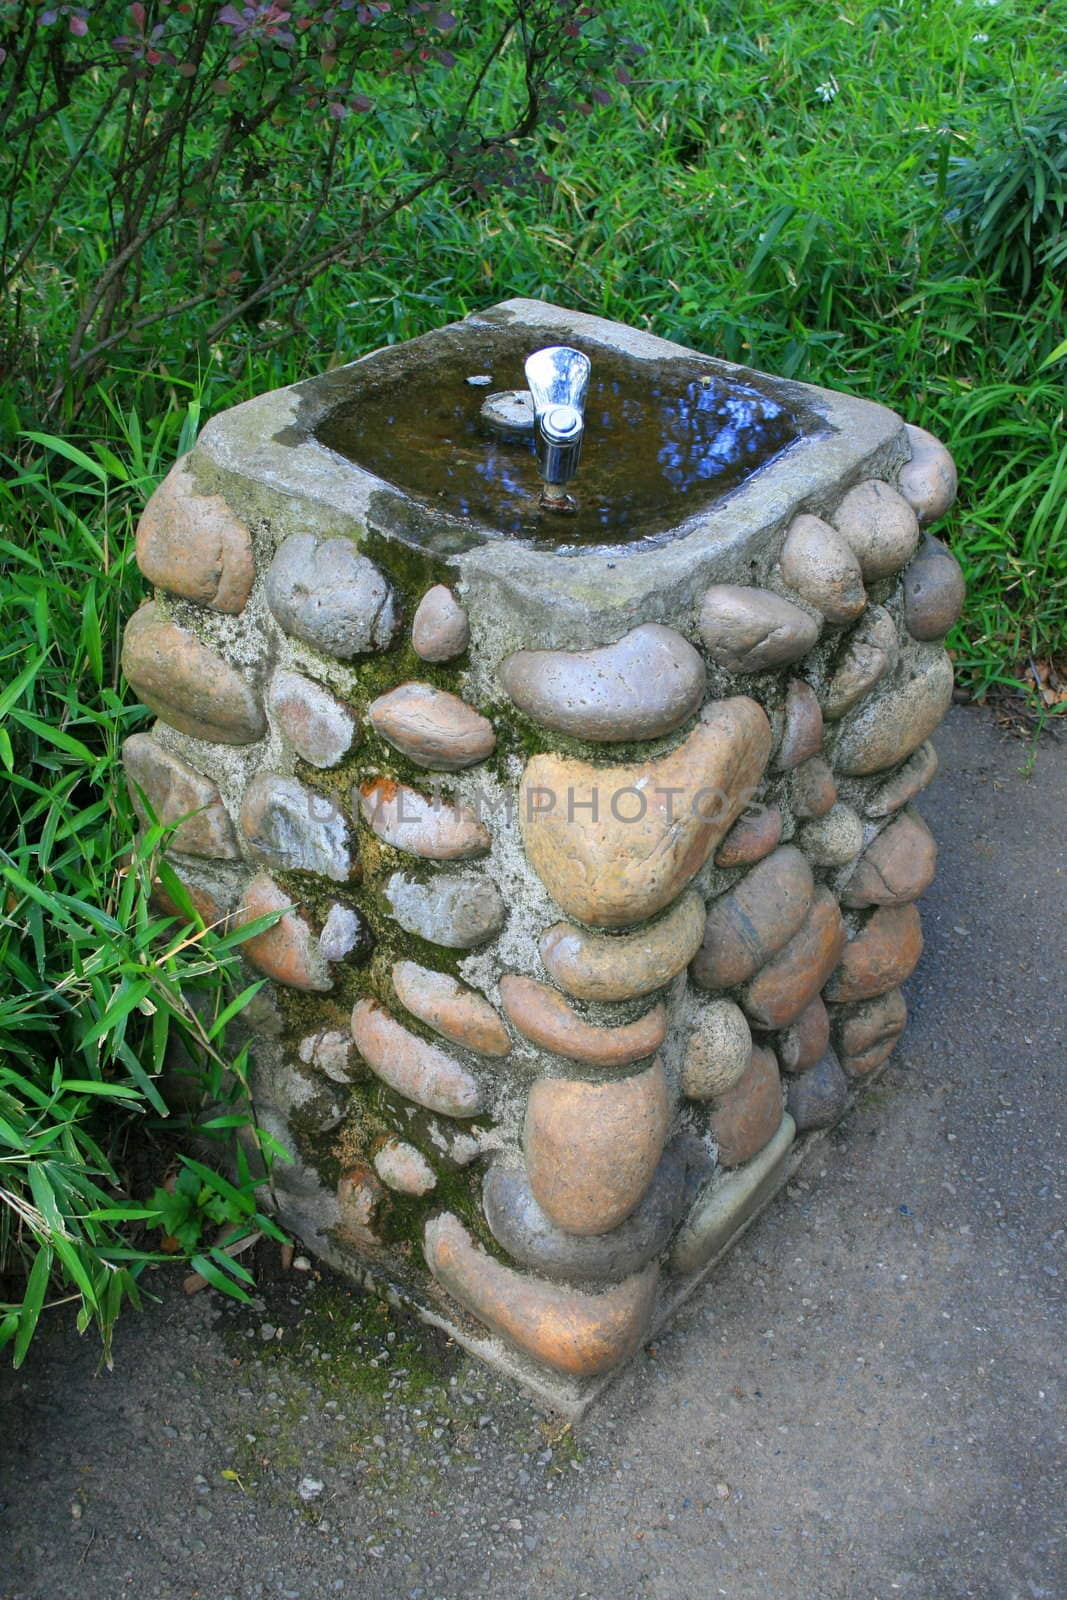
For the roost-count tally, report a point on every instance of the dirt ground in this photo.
(865, 1402)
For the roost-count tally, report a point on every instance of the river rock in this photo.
(867, 1032)
(833, 840)
(520, 1226)
(418, 1070)
(895, 867)
(871, 651)
(295, 829)
(173, 790)
(933, 591)
(206, 902)
(440, 630)
(319, 728)
(720, 1212)
(813, 790)
(192, 545)
(330, 1051)
(343, 933)
(753, 630)
(752, 837)
(749, 1113)
(544, 1017)
(802, 730)
(405, 1169)
(359, 1194)
(186, 684)
(432, 727)
(889, 726)
(804, 1042)
(884, 952)
(288, 950)
(817, 1097)
(787, 985)
(718, 1051)
(592, 1148)
(880, 527)
(624, 966)
(645, 684)
(456, 911)
(823, 569)
(450, 1008)
(563, 1328)
(613, 845)
(757, 917)
(423, 825)
(324, 592)
(929, 481)
(905, 784)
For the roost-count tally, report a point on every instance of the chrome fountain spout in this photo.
(559, 379)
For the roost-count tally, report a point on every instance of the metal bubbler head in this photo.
(559, 379)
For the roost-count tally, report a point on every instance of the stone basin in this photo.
(589, 837)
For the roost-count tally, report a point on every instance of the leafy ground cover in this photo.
(866, 196)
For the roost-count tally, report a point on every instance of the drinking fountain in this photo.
(564, 693)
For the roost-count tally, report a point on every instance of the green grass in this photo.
(783, 185)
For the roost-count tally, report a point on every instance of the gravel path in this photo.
(862, 1403)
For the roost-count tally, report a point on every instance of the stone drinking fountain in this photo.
(569, 709)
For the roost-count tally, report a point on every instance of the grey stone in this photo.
(457, 911)
(823, 569)
(343, 932)
(324, 592)
(832, 840)
(880, 526)
(933, 591)
(519, 1224)
(891, 725)
(718, 1051)
(753, 630)
(905, 784)
(294, 828)
(929, 481)
(319, 728)
(721, 1211)
(645, 684)
(870, 652)
(816, 1098)
(440, 630)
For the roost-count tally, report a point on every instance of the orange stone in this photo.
(592, 1148)
(867, 1032)
(624, 966)
(359, 1194)
(814, 791)
(787, 985)
(747, 925)
(544, 1017)
(432, 727)
(418, 1070)
(187, 684)
(802, 729)
(896, 867)
(804, 1042)
(752, 837)
(749, 1114)
(571, 1331)
(450, 1008)
(174, 790)
(884, 952)
(192, 544)
(287, 950)
(615, 844)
